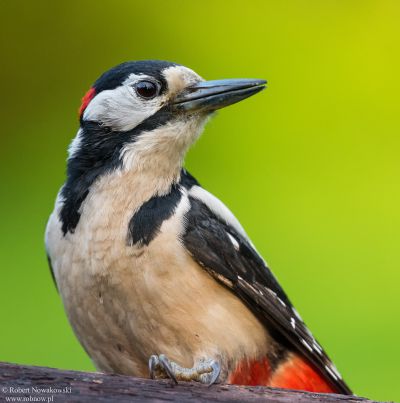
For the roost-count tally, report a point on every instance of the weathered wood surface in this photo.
(54, 385)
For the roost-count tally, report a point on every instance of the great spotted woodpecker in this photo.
(156, 274)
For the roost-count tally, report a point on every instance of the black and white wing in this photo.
(218, 243)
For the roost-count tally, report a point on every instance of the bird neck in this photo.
(149, 158)
(158, 155)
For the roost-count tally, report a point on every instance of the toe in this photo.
(216, 370)
(166, 364)
(153, 363)
(210, 373)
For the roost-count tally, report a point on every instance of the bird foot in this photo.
(206, 371)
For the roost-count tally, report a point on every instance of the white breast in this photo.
(126, 303)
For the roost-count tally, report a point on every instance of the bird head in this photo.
(145, 114)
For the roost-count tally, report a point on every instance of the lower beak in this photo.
(208, 96)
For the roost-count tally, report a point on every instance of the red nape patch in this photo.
(86, 99)
(251, 372)
(296, 373)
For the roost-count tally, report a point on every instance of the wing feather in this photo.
(228, 255)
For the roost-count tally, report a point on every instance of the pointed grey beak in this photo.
(208, 96)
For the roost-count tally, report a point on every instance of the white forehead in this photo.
(180, 77)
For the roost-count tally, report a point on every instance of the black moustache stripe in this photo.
(99, 153)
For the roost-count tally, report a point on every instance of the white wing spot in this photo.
(235, 243)
(317, 347)
(331, 372)
(306, 344)
(293, 323)
(297, 314)
(282, 303)
(334, 369)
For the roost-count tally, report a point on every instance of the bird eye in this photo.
(146, 89)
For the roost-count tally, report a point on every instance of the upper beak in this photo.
(211, 95)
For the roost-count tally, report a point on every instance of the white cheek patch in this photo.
(121, 108)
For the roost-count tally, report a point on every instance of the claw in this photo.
(164, 361)
(216, 370)
(153, 361)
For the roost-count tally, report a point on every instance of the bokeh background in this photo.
(310, 166)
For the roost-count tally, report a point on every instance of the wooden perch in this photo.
(54, 385)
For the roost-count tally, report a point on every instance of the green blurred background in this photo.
(310, 167)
